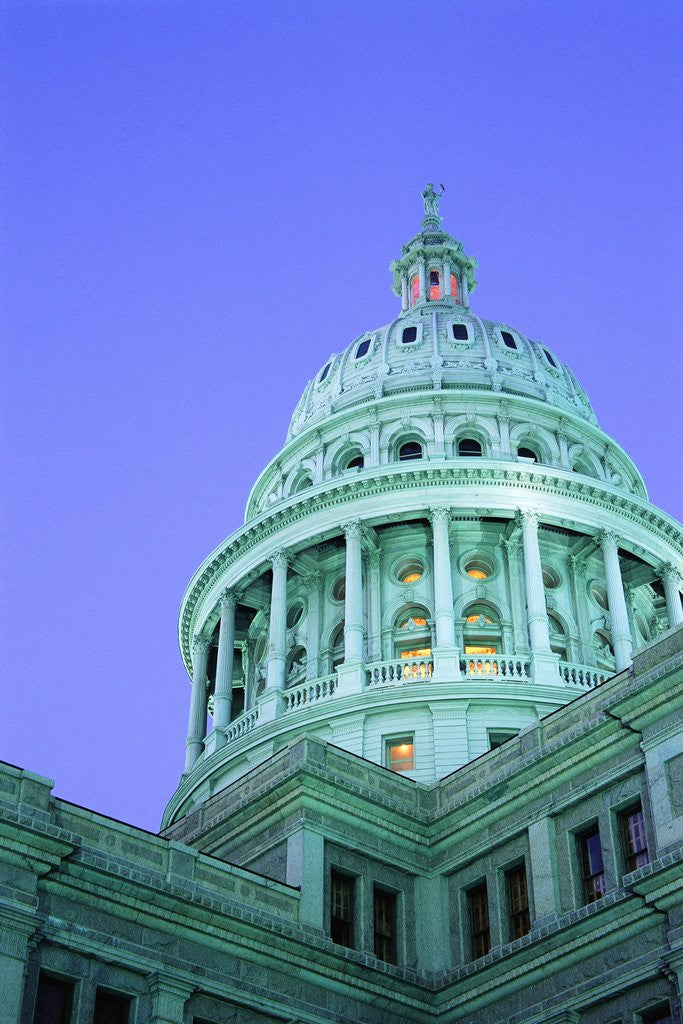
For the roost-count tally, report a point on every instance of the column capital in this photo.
(511, 546)
(439, 514)
(201, 644)
(374, 557)
(608, 539)
(227, 599)
(279, 559)
(578, 564)
(312, 580)
(669, 573)
(527, 518)
(352, 530)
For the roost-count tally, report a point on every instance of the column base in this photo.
(214, 741)
(350, 677)
(446, 665)
(270, 705)
(545, 669)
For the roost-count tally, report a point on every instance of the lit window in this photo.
(434, 288)
(384, 915)
(454, 286)
(518, 902)
(469, 446)
(592, 868)
(481, 617)
(410, 572)
(481, 649)
(411, 577)
(479, 567)
(550, 358)
(480, 936)
(508, 339)
(341, 909)
(400, 754)
(53, 1001)
(414, 290)
(634, 839)
(460, 332)
(363, 348)
(410, 450)
(527, 453)
(418, 652)
(110, 1008)
(409, 335)
(497, 737)
(325, 371)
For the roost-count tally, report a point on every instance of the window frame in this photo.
(524, 912)
(122, 998)
(473, 936)
(392, 938)
(341, 875)
(623, 815)
(62, 981)
(586, 878)
(396, 740)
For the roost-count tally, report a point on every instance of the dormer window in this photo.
(454, 287)
(434, 286)
(508, 339)
(325, 371)
(409, 335)
(363, 348)
(550, 358)
(460, 332)
(414, 289)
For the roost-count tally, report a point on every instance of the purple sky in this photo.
(201, 201)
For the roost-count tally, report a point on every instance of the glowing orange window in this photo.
(414, 290)
(454, 286)
(400, 754)
(434, 288)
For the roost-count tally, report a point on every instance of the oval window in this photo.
(508, 339)
(599, 595)
(294, 614)
(410, 571)
(479, 567)
(325, 371)
(339, 589)
(551, 578)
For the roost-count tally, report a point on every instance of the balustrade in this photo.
(580, 675)
(242, 725)
(494, 667)
(400, 670)
(310, 692)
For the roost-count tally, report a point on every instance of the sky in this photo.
(200, 202)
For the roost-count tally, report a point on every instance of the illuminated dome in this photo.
(446, 549)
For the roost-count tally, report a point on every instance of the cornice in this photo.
(395, 478)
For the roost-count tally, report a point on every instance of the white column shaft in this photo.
(537, 615)
(672, 596)
(196, 726)
(423, 280)
(277, 654)
(443, 580)
(222, 698)
(621, 634)
(464, 294)
(353, 603)
(313, 628)
(446, 290)
(404, 292)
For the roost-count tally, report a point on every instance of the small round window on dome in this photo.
(509, 340)
(339, 589)
(524, 452)
(551, 359)
(294, 613)
(410, 450)
(363, 348)
(469, 446)
(551, 578)
(460, 332)
(479, 567)
(599, 595)
(409, 335)
(410, 571)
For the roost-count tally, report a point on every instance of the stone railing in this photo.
(242, 725)
(310, 692)
(400, 670)
(493, 666)
(579, 675)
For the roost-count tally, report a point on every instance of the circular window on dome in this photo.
(551, 577)
(294, 614)
(410, 571)
(478, 567)
(599, 595)
(339, 589)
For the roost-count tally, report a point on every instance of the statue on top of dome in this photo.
(431, 201)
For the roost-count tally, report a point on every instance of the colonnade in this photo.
(444, 269)
(445, 653)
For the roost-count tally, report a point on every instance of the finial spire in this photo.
(431, 199)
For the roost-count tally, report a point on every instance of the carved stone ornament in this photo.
(201, 644)
(528, 518)
(440, 514)
(352, 530)
(279, 559)
(227, 599)
(608, 539)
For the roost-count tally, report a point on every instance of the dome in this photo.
(446, 549)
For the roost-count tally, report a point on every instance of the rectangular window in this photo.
(499, 736)
(385, 925)
(480, 936)
(110, 1008)
(634, 839)
(341, 909)
(53, 1001)
(400, 754)
(658, 1015)
(592, 868)
(518, 902)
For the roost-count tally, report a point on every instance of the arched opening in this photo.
(604, 650)
(413, 640)
(410, 450)
(354, 460)
(469, 446)
(434, 285)
(558, 637)
(296, 665)
(481, 631)
(301, 482)
(337, 645)
(414, 289)
(525, 452)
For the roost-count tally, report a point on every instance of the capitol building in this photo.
(434, 757)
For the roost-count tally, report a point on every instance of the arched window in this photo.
(454, 287)
(410, 450)
(434, 286)
(413, 637)
(558, 639)
(469, 446)
(525, 452)
(481, 632)
(302, 481)
(604, 651)
(414, 289)
(337, 646)
(296, 665)
(355, 461)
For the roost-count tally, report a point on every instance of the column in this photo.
(277, 639)
(465, 296)
(249, 672)
(504, 433)
(577, 575)
(621, 635)
(446, 290)
(543, 864)
(196, 726)
(222, 697)
(16, 931)
(313, 584)
(374, 605)
(404, 292)
(169, 996)
(423, 278)
(671, 581)
(374, 459)
(446, 660)
(544, 664)
(350, 673)
(564, 449)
